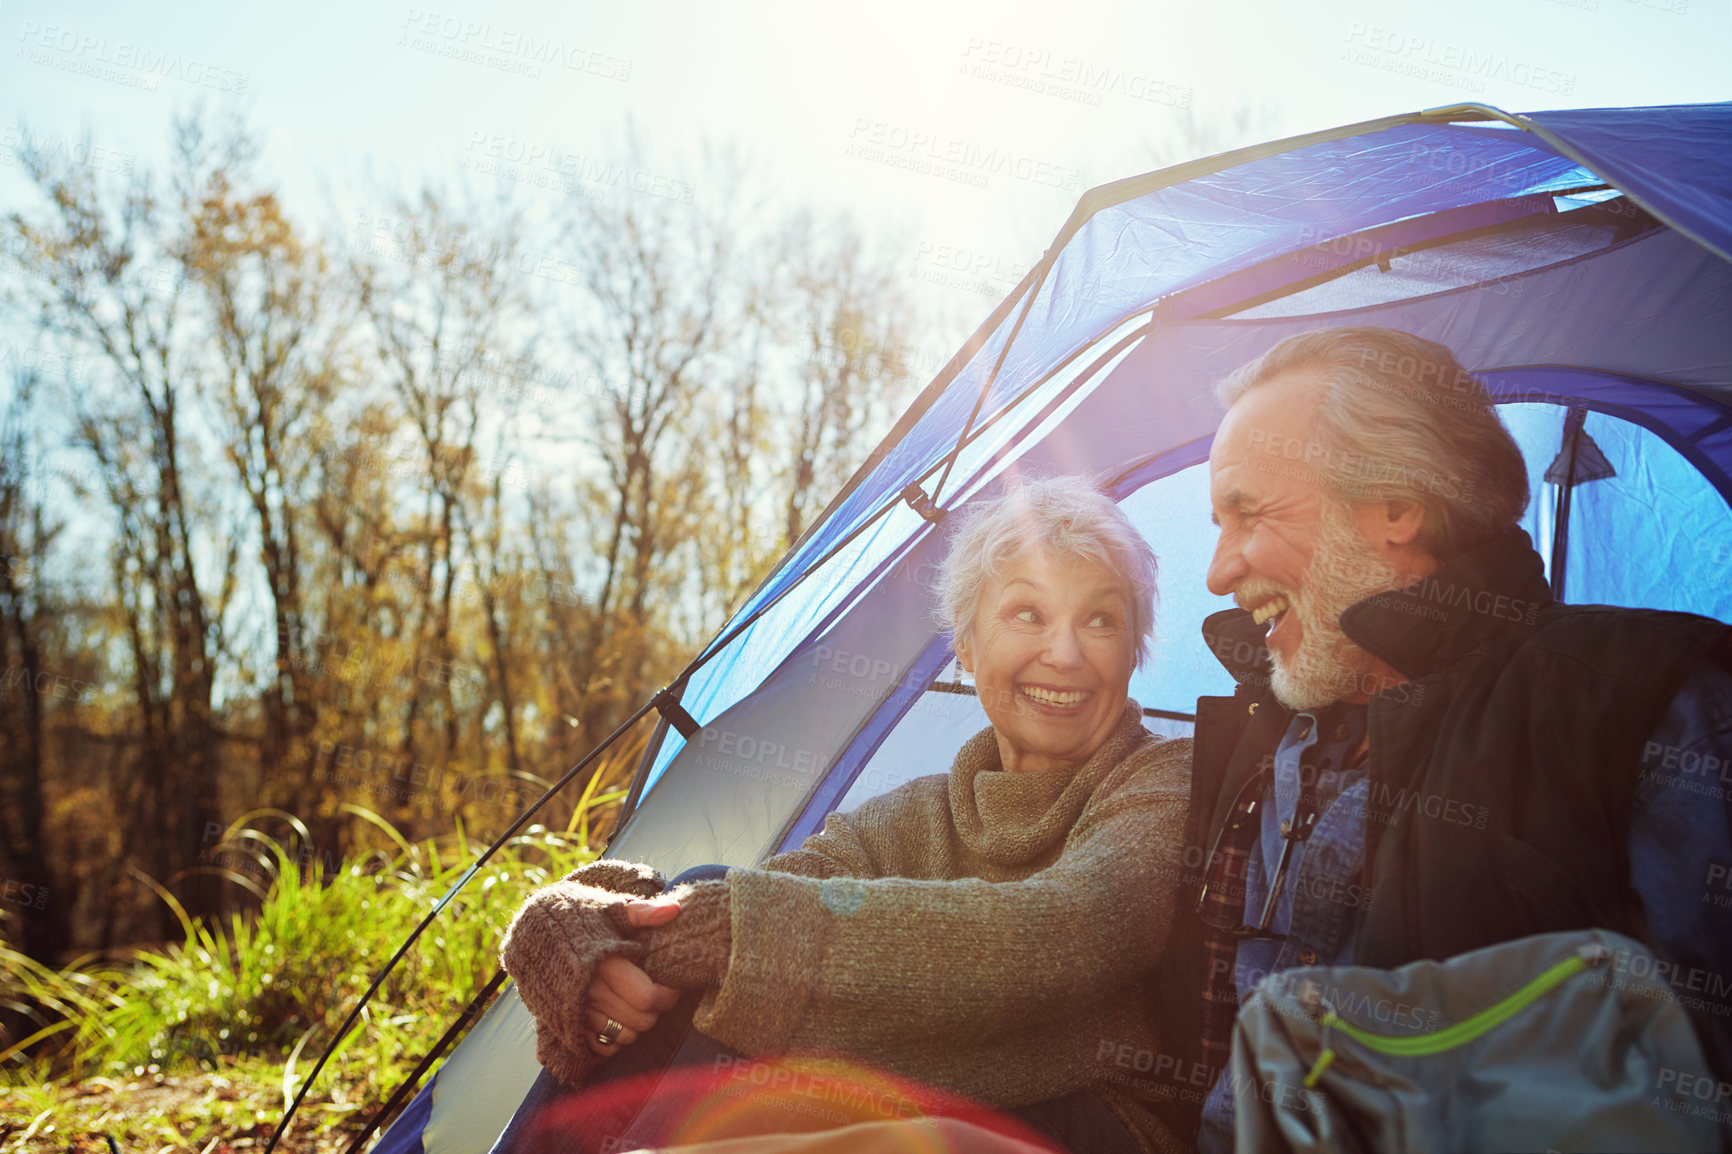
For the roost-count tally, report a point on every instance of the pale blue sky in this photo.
(1012, 109)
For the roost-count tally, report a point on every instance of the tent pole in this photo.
(1045, 266)
(640, 775)
(1566, 490)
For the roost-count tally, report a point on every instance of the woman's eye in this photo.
(1027, 615)
(1103, 621)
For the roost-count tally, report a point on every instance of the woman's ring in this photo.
(610, 1034)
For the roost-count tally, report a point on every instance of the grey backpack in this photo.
(1563, 1041)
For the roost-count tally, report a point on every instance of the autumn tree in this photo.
(442, 303)
(661, 308)
(273, 347)
(111, 283)
(27, 684)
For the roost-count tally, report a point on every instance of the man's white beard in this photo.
(1344, 570)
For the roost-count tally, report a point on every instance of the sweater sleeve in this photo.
(867, 964)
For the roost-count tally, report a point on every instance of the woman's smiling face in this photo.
(1052, 652)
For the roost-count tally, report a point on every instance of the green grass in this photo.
(255, 1000)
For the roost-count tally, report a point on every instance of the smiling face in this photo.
(1295, 556)
(1051, 652)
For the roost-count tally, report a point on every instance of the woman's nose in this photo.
(1063, 648)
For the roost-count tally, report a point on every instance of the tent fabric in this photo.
(466, 1105)
(1672, 159)
(1132, 254)
(1577, 261)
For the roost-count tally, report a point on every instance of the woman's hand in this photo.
(623, 992)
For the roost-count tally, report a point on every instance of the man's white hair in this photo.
(1068, 517)
(1399, 418)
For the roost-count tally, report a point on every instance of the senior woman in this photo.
(994, 931)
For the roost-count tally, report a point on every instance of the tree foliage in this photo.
(406, 517)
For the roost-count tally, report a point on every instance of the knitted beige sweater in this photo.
(990, 933)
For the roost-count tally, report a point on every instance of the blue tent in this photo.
(1579, 261)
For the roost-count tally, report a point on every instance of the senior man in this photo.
(1426, 753)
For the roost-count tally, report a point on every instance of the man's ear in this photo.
(965, 654)
(1395, 528)
(1395, 522)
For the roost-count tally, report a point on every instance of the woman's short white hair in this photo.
(1067, 516)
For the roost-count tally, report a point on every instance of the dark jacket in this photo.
(1501, 775)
